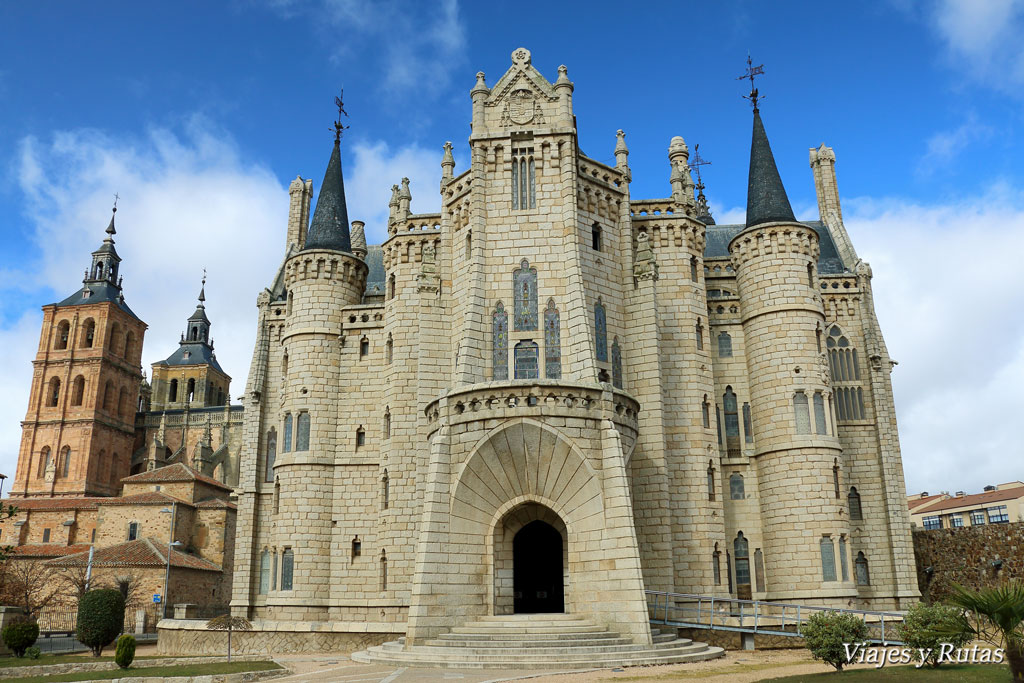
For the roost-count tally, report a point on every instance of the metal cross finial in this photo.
(697, 162)
(750, 73)
(338, 127)
(116, 197)
(204, 276)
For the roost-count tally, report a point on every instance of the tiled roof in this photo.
(48, 550)
(216, 503)
(926, 500)
(176, 472)
(974, 500)
(56, 503)
(146, 498)
(143, 552)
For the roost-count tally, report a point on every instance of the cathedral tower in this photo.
(77, 435)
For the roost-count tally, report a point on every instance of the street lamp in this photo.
(2, 477)
(171, 544)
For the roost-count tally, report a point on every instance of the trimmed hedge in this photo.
(100, 618)
(125, 651)
(20, 634)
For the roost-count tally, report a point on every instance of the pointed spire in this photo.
(703, 212)
(202, 289)
(447, 164)
(329, 228)
(766, 197)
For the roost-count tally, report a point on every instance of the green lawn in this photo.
(184, 670)
(7, 661)
(947, 673)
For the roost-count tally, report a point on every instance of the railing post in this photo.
(711, 615)
(783, 626)
(799, 627)
(756, 605)
(882, 619)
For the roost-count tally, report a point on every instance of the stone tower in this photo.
(77, 435)
(191, 378)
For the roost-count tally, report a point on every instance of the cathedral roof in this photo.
(329, 229)
(173, 473)
(193, 353)
(95, 292)
(829, 261)
(766, 197)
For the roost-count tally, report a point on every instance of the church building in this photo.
(551, 397)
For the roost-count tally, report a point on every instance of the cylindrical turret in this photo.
(359, 239)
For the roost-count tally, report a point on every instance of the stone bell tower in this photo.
(78, 433)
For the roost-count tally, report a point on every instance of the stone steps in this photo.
(537, 641)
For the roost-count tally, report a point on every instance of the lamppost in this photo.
(2, 477)
(171, 544)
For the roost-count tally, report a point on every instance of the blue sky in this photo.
(199, 114)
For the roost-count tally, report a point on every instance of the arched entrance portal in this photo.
(537, 569)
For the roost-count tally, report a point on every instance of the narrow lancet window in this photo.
(499, 327)
(525, 280)
(552, 342)
(601, 332)
(616, 363)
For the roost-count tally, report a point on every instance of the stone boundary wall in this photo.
(182, 636)
(965, 555)
(732, 640)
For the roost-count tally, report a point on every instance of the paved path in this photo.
(324, 669)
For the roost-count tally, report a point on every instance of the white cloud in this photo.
(982, 38)
(944, 147)
(949, 310)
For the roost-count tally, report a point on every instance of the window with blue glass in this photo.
(552, 342)
(302, 433)
(616, 363)
(601, 330)
(741, 550)
(499, 326)
(286, 445)
(527, 360)
(525, 297)
(828, 559)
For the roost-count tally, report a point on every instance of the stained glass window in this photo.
(264, 572)
(500, 331)
(287, 569)
(748, 427)
(759, 569)
(286, 446)
(861, 569)
(527, 360)
(515, 184)
(601, 330)
(741, 550)
(732, 423)
(525, 297)
(271, 456)
(819, 413)
(302, 433)
(616, 363)
(803, 417)
(828, 560)
(724, 345)
(552, 342)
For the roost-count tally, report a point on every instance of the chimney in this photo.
(990, 487)
(959, 494)
(924, 494)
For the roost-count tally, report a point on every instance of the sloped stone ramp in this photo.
(537, 641)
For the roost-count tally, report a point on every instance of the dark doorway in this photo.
(537, 569)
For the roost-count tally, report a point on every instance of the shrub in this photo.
(125, 652)
(20, 634)
(100, 618)
(33, 652)
(927, 627)
(826, 632)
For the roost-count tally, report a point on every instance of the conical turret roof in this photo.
(766, 197)
(329, 229)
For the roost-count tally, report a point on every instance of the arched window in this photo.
(524, 195)
(718, 423)
(711, 482)
(113, 468)
(364, 347)
(601, 331)
(273, 569)
(724, 345)
(383, 570)
(842, 357)
(499, 329)
(552, 342)
(705, 413)
(759, 569)
(861, 570)
(391, 286)
(264, 572)
(810, 275)
(65, 461)
(854, 499)
(284, 365)
(748, 425)
(828, 559)
(385, 490)
(44, 461)
(277, 499)
(728, 569)
(732, 423)
(360, 437)
(114, 339)
(63, 330)
(302, 432)
(108, 396)
(742, 560)
(699, 331)
(525, 286)
(287, 569)
(595, 236)
(122, 402)
(716, 565)
(387, 422)
(616, 363)
(389, 349)
(88, 334)
(736, 491)
(819, 413)
(835, 477)
(194, 335)
(286, 445)
(844, 570)
(129, 345)
(526, 359)
(268, 473)
(172, 391)
(693, 268)
(468, 253)
(191, 393)
(803, 416)
(357, 548)
(78, 391)
(53, 393)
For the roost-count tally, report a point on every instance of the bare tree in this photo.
(130, 586)
(30, 584)
(74, 581)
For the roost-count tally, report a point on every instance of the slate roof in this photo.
(766, 197)
(375, 279)
(829, 262)
(174, 473)
(99, 292)
(973, 500)
(143, 552)
(329, 228)
(199, 354)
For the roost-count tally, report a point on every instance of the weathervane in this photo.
(697, 162)
(338, 127)
(750, 73)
